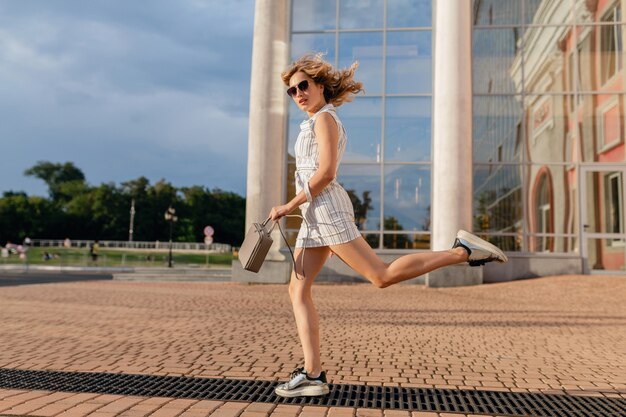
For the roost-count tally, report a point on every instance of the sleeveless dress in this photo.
(330, 215)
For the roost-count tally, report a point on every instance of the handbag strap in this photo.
(293, 258)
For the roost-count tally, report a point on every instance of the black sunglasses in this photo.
(302, 86)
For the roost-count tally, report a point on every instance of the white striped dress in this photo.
(330, 215)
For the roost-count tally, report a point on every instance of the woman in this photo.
(317, 88)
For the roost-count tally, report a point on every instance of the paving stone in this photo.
(555, 334)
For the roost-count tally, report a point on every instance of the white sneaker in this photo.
(480, 251)
(300, 384)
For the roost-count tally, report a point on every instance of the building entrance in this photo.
(602, 204)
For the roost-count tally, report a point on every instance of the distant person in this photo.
(67, 243)
(93, 250)
(317, 88)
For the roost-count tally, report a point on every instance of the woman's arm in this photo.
(327, 136)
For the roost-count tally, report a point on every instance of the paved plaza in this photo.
(557, 335)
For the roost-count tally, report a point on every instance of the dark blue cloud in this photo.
(125, 88)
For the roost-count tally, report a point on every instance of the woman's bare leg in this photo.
(361, 257)
(304, 310)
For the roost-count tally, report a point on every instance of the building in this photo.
(505, 117)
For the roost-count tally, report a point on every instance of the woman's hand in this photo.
(279, 211)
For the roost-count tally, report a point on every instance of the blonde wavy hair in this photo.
(339, 86)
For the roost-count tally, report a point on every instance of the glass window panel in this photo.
(552, 243)
(604, 192)
(552, 206)
(611, 56)
(367, 48)
(412, 241)
(407, 197)
(409, 62)
(547, 12)
(548, 65)
(362, 182)
(361, 14)
(408, 122)
(498, 128)
(604, 11)
(530, 10)
(362, 120)
(606, 254)
(548, 129)
(600, 127)
(409, 13)
(316, 42)
(496, 63)
(497, 12)
(313, 15)
(498, 198)
(508, 243)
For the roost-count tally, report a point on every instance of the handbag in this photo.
(257, 243)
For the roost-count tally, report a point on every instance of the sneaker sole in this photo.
(310, 391)
(475, 240)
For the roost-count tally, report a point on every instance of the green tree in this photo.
(58, 177)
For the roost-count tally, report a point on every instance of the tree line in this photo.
(76, 210)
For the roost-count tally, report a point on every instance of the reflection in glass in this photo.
(552, 203)
(605, 205)
(373, 239)
(363, 123)
(407, 197)
(361, 14)
(611, 49)
(548, 69)
(598, 11)
(313, 15)
(548, 12)
(409, 13)
(530, 10)
(362, 182)
(493, 52)
(413, 241)
(606, 254)
(498, 128)
(547, 128)
(367, 48)
(601, 127)
(498, 198)
(497, 12)
(304, 43)
(408, 123)
(409, 62)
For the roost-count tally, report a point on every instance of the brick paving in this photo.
(555, 335)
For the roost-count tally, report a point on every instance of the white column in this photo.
(452, 122)
(266, 137)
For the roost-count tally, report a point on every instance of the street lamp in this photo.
(169, 216)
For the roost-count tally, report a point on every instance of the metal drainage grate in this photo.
(356, 396)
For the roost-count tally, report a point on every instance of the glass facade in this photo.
(549, 99)
(387, 165)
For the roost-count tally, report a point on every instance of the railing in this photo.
(120, 244)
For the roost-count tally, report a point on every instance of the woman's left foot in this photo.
(479, 250)
(301, 385)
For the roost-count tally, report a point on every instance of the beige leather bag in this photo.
(255, 246)
(257, 243)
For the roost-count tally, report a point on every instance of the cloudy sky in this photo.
(125, 88)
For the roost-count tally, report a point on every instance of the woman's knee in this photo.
(380, 277)
(298, 290)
